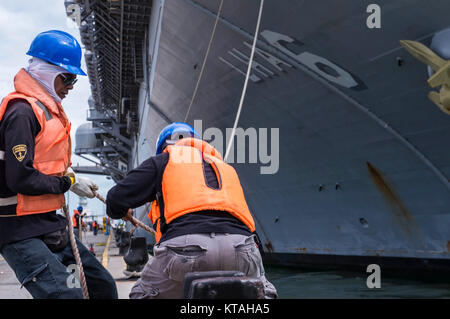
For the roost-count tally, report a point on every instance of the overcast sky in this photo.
(20, 22)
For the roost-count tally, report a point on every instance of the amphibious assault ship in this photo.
(360, 164)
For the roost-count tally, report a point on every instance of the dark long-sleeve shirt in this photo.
(20, 126)
(141, 185)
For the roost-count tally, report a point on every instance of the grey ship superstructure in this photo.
(364, 162)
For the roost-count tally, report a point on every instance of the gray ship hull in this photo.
(363, 170)
(364, 162)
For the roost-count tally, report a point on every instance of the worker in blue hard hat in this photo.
(199, 214)
(35, 159)
(77, 220)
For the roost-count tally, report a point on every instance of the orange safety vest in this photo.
(52, 144)
(75, 217)
(184, 189)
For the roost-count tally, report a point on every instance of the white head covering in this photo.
(45, 73)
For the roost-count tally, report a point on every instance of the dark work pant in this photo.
(48, 275)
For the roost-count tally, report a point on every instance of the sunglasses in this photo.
(69, 79)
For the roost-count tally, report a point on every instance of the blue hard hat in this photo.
(80, 208)
(174, 131)
(59, 48)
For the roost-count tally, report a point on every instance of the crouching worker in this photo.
(198, 210)
(35, 153)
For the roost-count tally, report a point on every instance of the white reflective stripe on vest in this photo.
(8, 201)
(2, 155)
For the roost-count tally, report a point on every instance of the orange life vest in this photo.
(52, 145)
(184, 189)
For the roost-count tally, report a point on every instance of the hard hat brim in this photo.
(72, 69)
(68, 68)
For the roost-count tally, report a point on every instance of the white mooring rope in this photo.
(204, 60)
(134, 221)
(247, 76)
(76, 253)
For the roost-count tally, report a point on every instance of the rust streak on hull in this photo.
(397, 206)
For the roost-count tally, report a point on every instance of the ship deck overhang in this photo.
(113, 33)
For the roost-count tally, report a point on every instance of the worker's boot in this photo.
(136, 257)
(117, 234)
(123, 242)
(133, 271)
